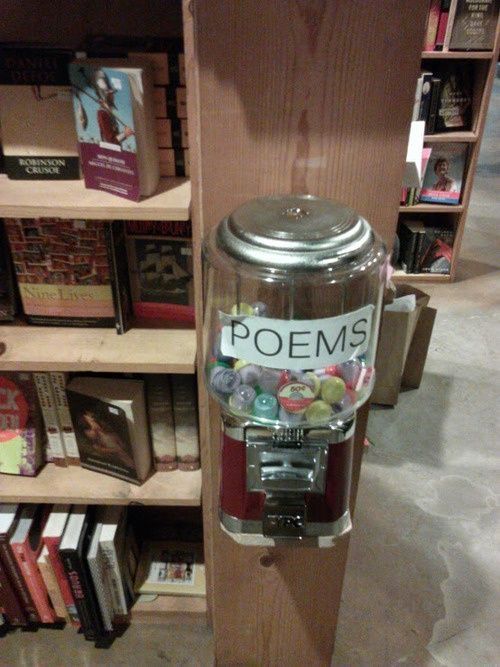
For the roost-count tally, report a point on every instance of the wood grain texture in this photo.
(305, 97)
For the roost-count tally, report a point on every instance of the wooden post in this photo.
(309, 96)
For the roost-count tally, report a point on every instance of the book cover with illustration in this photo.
(171, 568)
(38, 131)
(454, 109)
(444, 174)
(62, 271)
(435, 250)
(103, 107)
(161, 270)
(474, 26)
(22, 435)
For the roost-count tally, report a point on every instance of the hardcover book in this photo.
(53, 590)
(9, 517)
(408, 233)
(58, 381)
(62, 270)
(38, 132)
(114, 115)
(161, 420)
(444, 174)
(475, 25)
(435, 250)
(55, 446)
(97, 569)
(171, 568)
(26, 544)
(51, 537)
(432, 25)
(455, 97)
(111, 550)
(112, 431)
(117, 256)
(161, 270)
(22, 435)
(185, 403)
(9, 602)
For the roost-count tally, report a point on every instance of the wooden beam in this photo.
(305, 97)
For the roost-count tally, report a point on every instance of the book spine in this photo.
(418, 253)
(74, 571)
(174, 161)
(430, 125)
(50, 581)
(161, 419)
(17, 579)
(443, 22)
(9, 603)
(55, 445)
(96, 567)
(113, 578)
(58, 381)
(432, 25)
(185, 422)
(52, 545)
(29, 569)
(418, 96)
(449, 24)
(172, 133)
(120, 286)
(425, 99)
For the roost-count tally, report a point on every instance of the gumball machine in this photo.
(293, 294)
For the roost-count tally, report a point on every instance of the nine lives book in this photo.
(114, 115)
(22, 435)
(9, 517)
(474, 25)
(62, 271)
(171, 568)
(38, 131)
(444, 174)
(111, 426)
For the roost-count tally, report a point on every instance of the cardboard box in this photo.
(402, 348)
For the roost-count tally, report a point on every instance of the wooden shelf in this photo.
(431, 208)
(77, 485)
(451, 137)
(70, 199)
(400, 276)
(457, 55)
(164, 606)
(33, 348)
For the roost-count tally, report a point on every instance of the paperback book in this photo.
(184, 403)
(474, 25)
(161, 420)
(435, 250)
(444, 174)
(454, 109)
(171, 568)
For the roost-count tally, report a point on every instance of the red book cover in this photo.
(432, 25)
(26, 544)
(443, 23)
(9, 604)
(51, 538)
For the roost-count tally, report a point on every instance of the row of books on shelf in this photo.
(126, 427)
(443, 97)
(83, 566)
(96, 272)
(461, 25)
(443, 168)
(425, 247)
(115, 110)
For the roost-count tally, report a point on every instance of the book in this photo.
(408, 233)
(111, 548)
(444, 174)
(38, 133)
(9, 602)
(442, 24)
(435, 250)
(51, 538)
(425, 97)
(174, 161)
(62, 271)
(184, 403)
(55, 446)
(58, 381)
(53, 590)
(26, 544)
(111, 426)
(418, 97)
(161, 270)
(73, 549)
(474, 26)
(22, 436)
(413, 167)
(9, 516)
(172, 133)
(430, 124)
(8, 296)
(171, 568)
(97, 566)
(170, 102)
(161, 420)
(115, 120)
(450, 24)
(432, 25)
(455, 97)
(117, 257)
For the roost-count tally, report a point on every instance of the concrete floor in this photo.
(422, 585)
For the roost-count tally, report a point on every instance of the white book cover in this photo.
(50, 581)
(55, 444)
(58, 382)
(97, 568)
(112, 534)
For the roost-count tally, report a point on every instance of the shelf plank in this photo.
(431, 208)
(33, 348)
(400, 276)
(70, 199)
(451, 137)
(163, 607)
(457, 55)
(77, 485)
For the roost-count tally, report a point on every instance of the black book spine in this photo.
(74, 569)
(17, 579)
(120, 285)
(408, 241)
(430, 126)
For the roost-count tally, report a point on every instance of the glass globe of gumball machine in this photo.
(293, 294)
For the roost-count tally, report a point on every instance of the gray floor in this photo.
(422, 584)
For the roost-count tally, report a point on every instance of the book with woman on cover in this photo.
(444, 174)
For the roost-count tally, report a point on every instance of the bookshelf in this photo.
(484, 67)
(183, 609)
